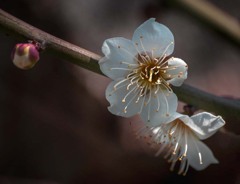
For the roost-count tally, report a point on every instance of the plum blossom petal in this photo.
(177, 70)
(158, 107)
(154, 38)
(123, 99)
(205, 124)
(120, 57)
(127, 100)
(199, 155)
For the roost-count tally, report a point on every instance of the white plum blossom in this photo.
(142, 73)
(181, 139)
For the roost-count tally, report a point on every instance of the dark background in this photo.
(54, 123)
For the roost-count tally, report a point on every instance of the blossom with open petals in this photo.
(181, 137)
(143, 72)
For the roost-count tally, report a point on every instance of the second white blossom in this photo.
(181, 138)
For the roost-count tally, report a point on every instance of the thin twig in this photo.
(229, 133)
(221, 106)
(89, 60)
(23, 31)
(212, 16)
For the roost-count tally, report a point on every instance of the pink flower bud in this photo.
(25, 55)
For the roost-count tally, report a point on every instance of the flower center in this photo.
(145, 80)
(151, 73)
(152, 70)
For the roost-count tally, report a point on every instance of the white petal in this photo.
(177, 115)
(177, 70)
(154, 38)
(115, 98)
(206, 124)
(187, 121)
(119, 57)
(160, 108)
(199, 155)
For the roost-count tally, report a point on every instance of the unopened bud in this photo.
(25, 55)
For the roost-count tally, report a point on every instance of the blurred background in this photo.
(54, 124)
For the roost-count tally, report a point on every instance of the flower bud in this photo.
(25, 55)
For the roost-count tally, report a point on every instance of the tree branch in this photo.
(88, 60)
(228, 108)
(54, 45)
(212, 16)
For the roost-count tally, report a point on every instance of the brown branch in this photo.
(54, 45)
(211, 16)
(88, 60)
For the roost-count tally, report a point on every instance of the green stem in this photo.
(88, 60)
